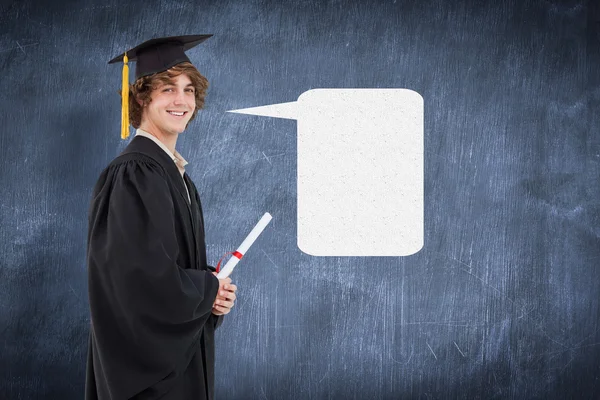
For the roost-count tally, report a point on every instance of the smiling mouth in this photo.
(177, 114)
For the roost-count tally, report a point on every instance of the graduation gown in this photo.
(150, 289)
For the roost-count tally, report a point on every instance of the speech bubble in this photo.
(360, 170)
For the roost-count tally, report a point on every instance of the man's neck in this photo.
(168, 140)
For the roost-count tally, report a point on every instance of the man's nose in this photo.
(180, 96)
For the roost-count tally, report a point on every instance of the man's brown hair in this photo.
(143, 87)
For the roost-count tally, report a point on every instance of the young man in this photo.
(155, 303)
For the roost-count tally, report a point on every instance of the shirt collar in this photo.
(177, 158)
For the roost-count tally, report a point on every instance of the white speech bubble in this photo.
(360, 170)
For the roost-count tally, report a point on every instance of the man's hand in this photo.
(225, 297)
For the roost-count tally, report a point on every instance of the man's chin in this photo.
(178, 130)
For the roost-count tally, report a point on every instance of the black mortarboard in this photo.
(153, 56)
(158, 55)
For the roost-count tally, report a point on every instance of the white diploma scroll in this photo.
(254, 233)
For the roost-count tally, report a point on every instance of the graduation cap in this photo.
(152, 56)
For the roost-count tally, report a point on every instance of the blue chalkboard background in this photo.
(502, 302)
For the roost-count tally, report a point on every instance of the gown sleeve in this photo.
(218, 319)
(147, 311)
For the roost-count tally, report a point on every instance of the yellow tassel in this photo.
(125, 100)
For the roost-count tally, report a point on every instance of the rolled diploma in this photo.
(254, 233)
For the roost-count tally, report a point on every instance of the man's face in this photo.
(171, 107)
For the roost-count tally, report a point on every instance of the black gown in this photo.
(150, 289)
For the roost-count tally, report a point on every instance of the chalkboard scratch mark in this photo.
(262, 391)
(429, 284)
(466, 324)
(355, 326)
(285, 326)
(97, 7)
(207, 171)
(482, 281)
(552, 340)
(570, 349)
(566, 365)
(580, 347)
(13, 208)
(269, 259)
(324, 375)
(280, 232)
(496, 378)
(587, 337)
(478, 278)
(586, 345)
(37, 22)
(266, 158)
(407, 361)
(463, 354)
(278, 155)
(543, 389)
(75, 293)
(431, 350)
(19, 46)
